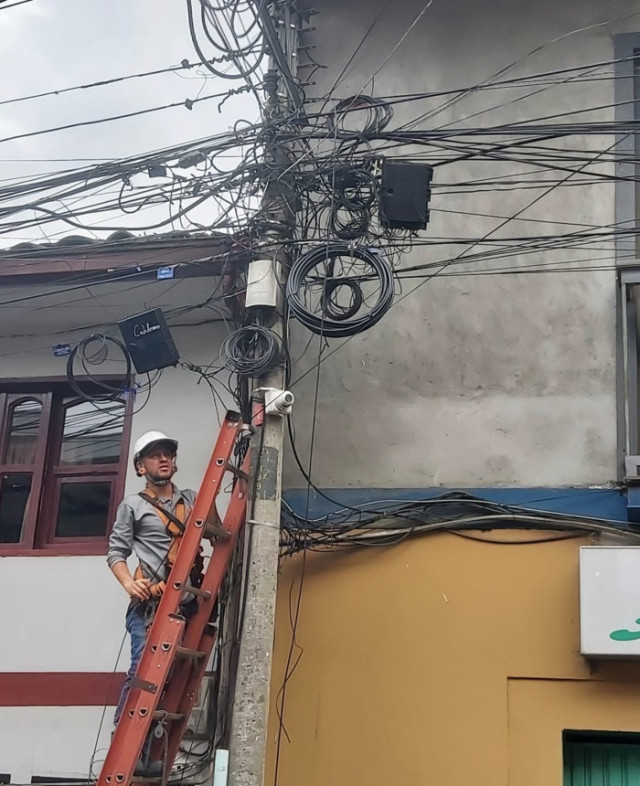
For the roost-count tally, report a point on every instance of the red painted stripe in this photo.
(59, 689)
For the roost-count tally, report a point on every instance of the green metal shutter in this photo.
(601, 764)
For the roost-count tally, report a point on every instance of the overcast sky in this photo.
(53, 44)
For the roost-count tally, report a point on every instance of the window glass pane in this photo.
(83, 509)
(14, 494)
(24, 426)
(92, 433)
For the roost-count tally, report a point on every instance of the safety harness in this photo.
(175, 524)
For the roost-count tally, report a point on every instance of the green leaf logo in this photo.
(626, 635)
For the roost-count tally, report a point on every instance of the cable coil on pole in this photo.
(343, 307)
(251, 351)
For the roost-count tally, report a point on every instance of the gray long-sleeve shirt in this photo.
(138, 528)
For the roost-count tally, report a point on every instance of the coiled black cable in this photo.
(349, 223)
(94, 351)
(377, 115)
(354, 191)
(251, 351)
(336, 320)
(356, 188)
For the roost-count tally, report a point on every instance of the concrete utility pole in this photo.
(248, 740)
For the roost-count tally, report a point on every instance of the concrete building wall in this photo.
(444, 660)
(441, 660)
(477, 380)
(66, 614)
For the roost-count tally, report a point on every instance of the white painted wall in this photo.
(67, 613)
(52, 741)
(474, 380)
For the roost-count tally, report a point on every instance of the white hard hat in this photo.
(149, 439)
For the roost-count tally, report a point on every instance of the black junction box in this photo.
(149, 341)
(404, 194)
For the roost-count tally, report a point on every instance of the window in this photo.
(62, 462)
(601, 759)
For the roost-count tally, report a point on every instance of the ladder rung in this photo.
(185, 652)
(239, 473)
(197, 591)
(161, 715)
(215, 531)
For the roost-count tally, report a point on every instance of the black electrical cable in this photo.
(187, 103)
(93, 351)
(14, 5)
(335, 321)
(252, 351)
(377, 115)
(387, 522)
(349, 224)
(185, 65)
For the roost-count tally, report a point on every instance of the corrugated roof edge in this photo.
(117, 241)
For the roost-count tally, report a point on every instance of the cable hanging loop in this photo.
(337, 318)
(88, 355)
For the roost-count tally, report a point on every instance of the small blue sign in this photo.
(165, 272)
(61, 350)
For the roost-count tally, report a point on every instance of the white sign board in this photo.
(610, 601)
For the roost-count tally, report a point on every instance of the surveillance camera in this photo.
(278, 402)
(287, 399)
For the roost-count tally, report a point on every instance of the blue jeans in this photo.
(136, 628)
(136, 623)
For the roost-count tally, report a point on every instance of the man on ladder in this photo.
(150, 524)
(159, 698)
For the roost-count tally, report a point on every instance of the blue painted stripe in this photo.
(600, 503)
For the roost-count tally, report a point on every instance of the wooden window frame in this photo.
(8, 403)
(38, 538)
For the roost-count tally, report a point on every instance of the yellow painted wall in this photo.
(442, 661)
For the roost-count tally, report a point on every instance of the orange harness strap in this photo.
(176, 533)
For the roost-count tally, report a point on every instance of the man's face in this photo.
(158, 463)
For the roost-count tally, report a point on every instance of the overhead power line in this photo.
(187, 103)
(185, 65)
(4, 7)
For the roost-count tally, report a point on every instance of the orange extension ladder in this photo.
(176, 653)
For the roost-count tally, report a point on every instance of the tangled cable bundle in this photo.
(388, 522)
(370, 114)
(338, 300)
(354, 193)
(94, 351)
(251, 351)
(232, 29)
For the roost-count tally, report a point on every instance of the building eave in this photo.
(196, 255)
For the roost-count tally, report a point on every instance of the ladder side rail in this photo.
(183, 690)
(168, 625)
